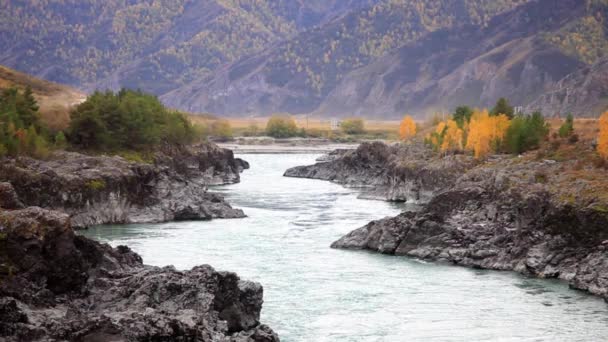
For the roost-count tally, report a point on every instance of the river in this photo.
(314, 293)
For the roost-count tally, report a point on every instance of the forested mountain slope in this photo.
(375, 58)
(298, 74)
(510, 57)
(155, 45)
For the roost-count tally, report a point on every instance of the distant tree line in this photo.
(483, 132)
(107, 121)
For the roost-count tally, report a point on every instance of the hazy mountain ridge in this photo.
(377, 58)
(298, 74)
(507, 58)
(152, 45)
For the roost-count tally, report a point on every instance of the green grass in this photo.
(96, 184)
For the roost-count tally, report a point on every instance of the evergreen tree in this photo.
(462, 115)
(567, 128)
(526, 133)
(127, 120)
(503, 107)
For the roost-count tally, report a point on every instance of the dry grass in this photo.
(586, 129)
(55, 99)
(240, 125)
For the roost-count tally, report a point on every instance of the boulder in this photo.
(56, 285)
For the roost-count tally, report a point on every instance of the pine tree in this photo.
(503, 107)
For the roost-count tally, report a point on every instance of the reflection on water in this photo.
(314, 293)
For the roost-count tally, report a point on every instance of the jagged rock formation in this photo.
(55, 285)
(102, 189)
(515, 214)
(396, 173)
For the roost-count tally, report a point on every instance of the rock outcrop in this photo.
(410, 173)
(103, 189)
(58, 286)
(515, 214)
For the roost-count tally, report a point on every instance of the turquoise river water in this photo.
(314, 293)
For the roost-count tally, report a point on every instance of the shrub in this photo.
(281, 126)
(252, 130)
(526, 133)
(126, 120)
(567, 128)
(221, 129)
(60, 140)
(353, 126)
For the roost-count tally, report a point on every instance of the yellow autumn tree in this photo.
(602, 141)
(452, 137)
(436, 139)
(447, 136)
(407, 129)
(486, 132)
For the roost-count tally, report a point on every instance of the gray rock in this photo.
(62, 287)
(102, 189)
(404, 173)
(8, 197)
(497, 216)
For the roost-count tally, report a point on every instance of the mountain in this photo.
(152, 45)
(298, 74)
(54, 99)
(520, 51)
(375, 58)
(583, 93)
(470, 65)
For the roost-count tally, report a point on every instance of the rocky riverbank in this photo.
(408, 173)
(531, 214)
(58, 286)
(110, 189)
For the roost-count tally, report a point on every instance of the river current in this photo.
(314, 293)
